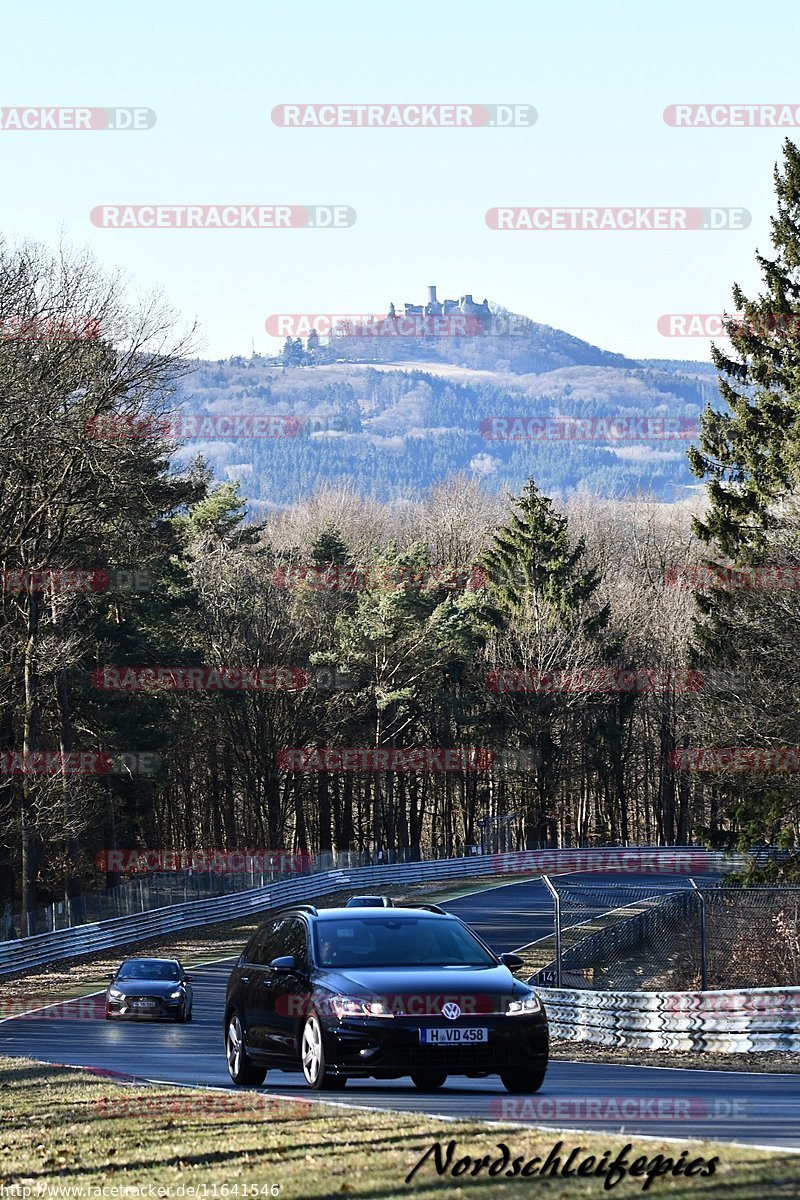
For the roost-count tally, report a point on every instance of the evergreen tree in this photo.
(220, 516)
(532, 554)
(293, 352)
(408, 638)
(750, 456)
(330, 548)
(540, 598)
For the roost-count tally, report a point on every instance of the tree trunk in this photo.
(30, 738)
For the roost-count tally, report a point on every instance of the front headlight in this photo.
(527, 1005)
(176, 995)
(115, 994)
(359, 1006)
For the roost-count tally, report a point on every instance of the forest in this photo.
(396, 429)
(470, 667)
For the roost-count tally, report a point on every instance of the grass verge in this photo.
(64, 1129)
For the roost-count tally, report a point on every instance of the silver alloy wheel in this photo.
(234, 1047)
(311, 1050)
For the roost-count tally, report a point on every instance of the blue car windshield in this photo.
(397, 942)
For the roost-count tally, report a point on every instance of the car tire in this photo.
(429, 1081)
(312, 1058)
(524, 1080)
(242, 1070)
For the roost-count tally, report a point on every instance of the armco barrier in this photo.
(728, 1022)
(24, 953)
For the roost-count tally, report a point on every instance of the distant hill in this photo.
(532, 348)
(396, 416)
(681, 366)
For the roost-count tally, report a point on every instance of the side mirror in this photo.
(112, 976)
(286, 962)
(512, 961)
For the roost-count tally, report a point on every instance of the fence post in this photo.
(703, 946)
(557, 925)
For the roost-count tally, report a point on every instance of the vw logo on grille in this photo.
(451, 1011)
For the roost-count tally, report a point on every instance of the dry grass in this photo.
(69, 1129)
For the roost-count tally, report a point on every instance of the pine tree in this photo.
(219, 517)
(407, 639)
(293, 352)
(751, 454)
(540, 598)
(330, 549)
(532, 553)
(750, 457)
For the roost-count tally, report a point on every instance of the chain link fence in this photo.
(670, 936)
(153, 889)
(752, 936)
(139, 894)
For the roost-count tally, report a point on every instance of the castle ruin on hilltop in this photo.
(444, 308)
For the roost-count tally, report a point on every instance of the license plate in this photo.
(144, 1003)
(453, 1037)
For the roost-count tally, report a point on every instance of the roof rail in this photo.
(435, 908)
(309, 908)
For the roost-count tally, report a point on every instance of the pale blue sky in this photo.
(598, 75)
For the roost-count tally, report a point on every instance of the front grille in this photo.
(458, 1059)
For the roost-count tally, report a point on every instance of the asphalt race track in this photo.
(759, 1109)
(512, 916)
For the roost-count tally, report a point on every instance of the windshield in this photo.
(148, 968)
(393, 942)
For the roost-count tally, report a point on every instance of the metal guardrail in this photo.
(77, 940)
(754, 1019)
(23, 953)
(153, 879)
